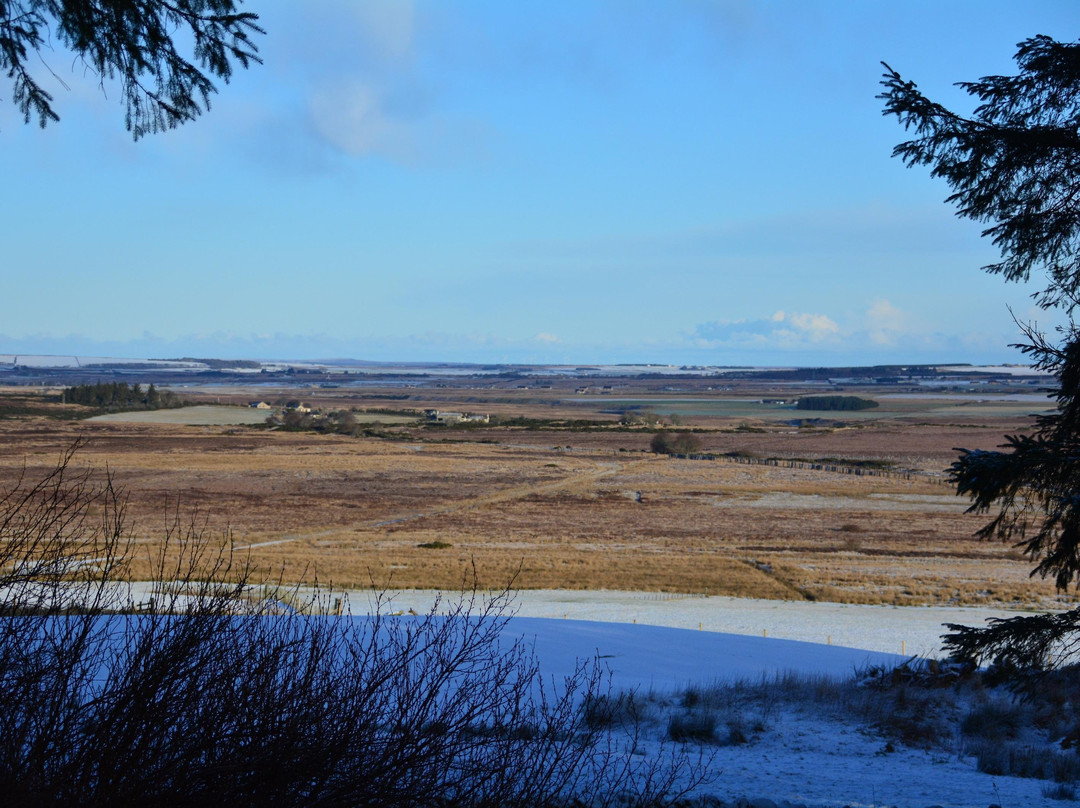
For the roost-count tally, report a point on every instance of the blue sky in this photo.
(676, 181)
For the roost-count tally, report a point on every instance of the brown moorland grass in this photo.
(518, 504)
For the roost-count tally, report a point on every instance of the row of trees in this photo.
(218, 695)
(835, 403)
(340, 422)
(116, 396)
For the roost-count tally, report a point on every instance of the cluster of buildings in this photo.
(296, 406)
(443, 417)
(433, 416)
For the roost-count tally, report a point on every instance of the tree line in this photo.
(341, 422)
(118, 396)
(835, 403)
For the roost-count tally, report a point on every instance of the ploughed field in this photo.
(421, 507)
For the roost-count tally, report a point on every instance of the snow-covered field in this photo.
(911, 631)
(799, 751)
(805, 754)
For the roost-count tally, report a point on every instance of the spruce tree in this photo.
(134, 42)
(1014, 165)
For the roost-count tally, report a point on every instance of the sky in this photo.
(672, 181)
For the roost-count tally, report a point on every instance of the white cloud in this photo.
(815, 326)
(355, 66)
(882, 332)
(396, 121)
(353, 116)
(543, 336)
(781, 330)
(885, 323)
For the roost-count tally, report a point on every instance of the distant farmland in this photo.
(891, 406)
(555, 493)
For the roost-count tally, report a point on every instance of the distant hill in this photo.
(222, 364)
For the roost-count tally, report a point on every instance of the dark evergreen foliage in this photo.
(1015, 165)
(116, 396)
(134, 42)
(835, 403)
(1035, 486)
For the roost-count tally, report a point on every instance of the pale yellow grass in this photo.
(354, 511)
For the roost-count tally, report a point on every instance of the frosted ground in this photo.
(800, 752)
(805, 756)
(912, 631)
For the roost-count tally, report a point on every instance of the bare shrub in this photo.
(607, 710)
(215, 695)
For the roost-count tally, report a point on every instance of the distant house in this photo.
(443, 417)
(297, 406)
(259, 405)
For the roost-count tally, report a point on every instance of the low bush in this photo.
(1060, 791)
(993, 721)
(738, 733)
(1026, 761)
(693, 725)
(675, 443)
(715, 715)
(605, 710)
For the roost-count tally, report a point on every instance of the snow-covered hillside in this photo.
(802, 753)
(797, 752)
